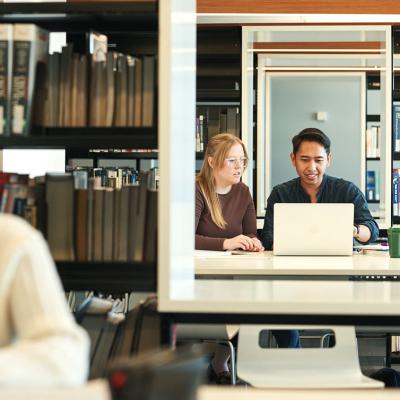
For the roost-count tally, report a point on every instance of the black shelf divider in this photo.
(73, 7)
(124, 155)
(373, 158)
(114, 277)
(373, 118)
(88, 137)
(373, 201)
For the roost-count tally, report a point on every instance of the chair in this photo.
(335, 367)
(220, 334)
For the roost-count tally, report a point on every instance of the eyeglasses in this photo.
(240, 162)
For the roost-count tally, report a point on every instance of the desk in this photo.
(373, 265)
(276, 301)
(227, 393)
(93, 390)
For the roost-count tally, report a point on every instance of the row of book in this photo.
(214, 119)
(200, 136)
(373, 186)
(396, 126)
(109, 217)
(373, 142)
(115, 90)
(68, 89)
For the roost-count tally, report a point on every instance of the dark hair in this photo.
(311, 135)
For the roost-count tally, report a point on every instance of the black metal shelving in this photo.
(91, 137)
(97, 8)
(112, 277)
(373, 158)
(129, 25)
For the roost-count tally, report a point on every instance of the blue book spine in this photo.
(395, 191)
(396, 126)
(371, 185)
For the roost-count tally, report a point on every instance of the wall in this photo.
(295, 103)
(299, 6)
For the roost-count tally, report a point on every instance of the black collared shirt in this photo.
(332, 190)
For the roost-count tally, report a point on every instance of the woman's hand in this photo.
(243, 242)
(257, 245)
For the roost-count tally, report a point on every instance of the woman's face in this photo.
(232, 168)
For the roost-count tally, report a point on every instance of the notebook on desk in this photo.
(306, 229)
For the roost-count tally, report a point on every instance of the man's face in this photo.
(311, 161)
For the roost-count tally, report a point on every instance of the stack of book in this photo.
(214, 119)
(89, 215)
(68, 89)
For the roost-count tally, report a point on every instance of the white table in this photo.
(373, 265)
(93, 390)
(237, 393)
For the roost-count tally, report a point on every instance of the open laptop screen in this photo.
(313, 229)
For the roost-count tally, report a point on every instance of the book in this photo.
(138, 92)
(108, 224)
(231, 120)
(371, 185)
(30, 51)
(395, 191)
(98, 209)
(53, 89)
(396, 126)
(148, 90)
(131, 64)
(122, 208)
(82, 92)
(60, 213)
(111, 67)
(65, 86)
(6, 50)
(138, 228)
(150, 243)
(120, 112)
(81, 224)
(98, 103)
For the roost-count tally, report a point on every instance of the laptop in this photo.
(313, 229)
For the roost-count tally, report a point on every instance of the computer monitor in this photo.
(304, 229)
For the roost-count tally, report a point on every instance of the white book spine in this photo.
(30, 48)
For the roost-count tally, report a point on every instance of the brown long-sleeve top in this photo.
(239, 214)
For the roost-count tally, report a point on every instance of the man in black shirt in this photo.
(311, 156)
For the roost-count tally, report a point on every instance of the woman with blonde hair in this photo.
(225, 214)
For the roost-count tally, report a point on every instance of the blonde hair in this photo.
(217, 148)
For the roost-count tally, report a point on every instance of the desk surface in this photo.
(227, 393)
(376, 263)
(93, 390)
(285, 298)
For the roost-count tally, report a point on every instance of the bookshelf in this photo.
(373, 142)
(132, 27)
(395, 98)
(218, 83)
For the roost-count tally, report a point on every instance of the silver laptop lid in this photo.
(313, 229)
